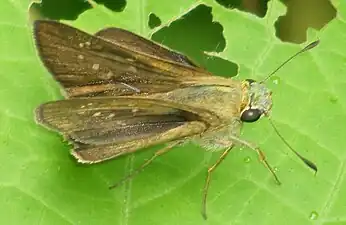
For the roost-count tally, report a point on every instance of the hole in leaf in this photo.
(70, 10)
(195, 33)
(154, 21)
(62, 9)
(257, 7)
(302, 15)
(115, 5)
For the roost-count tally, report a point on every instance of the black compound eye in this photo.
(250, 81)
(250, 115)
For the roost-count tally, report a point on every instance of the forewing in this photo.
(140, 44)
(103, 128)
(86, 65)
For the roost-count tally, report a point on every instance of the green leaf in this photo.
(41, 183)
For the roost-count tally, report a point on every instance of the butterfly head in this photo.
(258, 101)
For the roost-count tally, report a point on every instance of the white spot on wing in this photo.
(109, 75)
(96, 66)
(120, 123)
(132, 69)
(135, 110)
(97, 114)
(111, 115)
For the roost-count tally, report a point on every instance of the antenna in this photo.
(307, 162)
(307, 48)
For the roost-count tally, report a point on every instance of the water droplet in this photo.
(333, 99)
(81, 45)
(276, 80)
(313, 215)
(275, 169)
(247, 159)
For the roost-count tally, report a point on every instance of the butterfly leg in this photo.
(261, 155)
(207, 181)
(145, 164)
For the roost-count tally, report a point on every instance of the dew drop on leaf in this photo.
(276, 80)
(333, 99)
(247, 159)
(313, 215)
